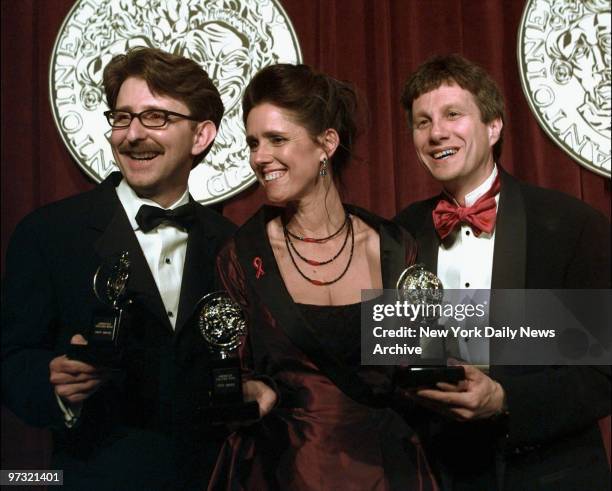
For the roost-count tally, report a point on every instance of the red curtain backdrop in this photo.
(373, 43)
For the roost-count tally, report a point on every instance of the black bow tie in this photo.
(149, 217)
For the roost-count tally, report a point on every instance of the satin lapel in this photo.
(428, 244)
(117, 236)
(392, 257)
(392, 246)
(254, 249)
(510, 254)
(198, 272)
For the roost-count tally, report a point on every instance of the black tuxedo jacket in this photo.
(142, 429)
(551, 440)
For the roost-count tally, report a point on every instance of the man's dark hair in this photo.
(169, 75)
(448, 69)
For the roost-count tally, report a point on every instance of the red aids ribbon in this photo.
(258, 264)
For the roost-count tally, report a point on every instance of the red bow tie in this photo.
(480, 216)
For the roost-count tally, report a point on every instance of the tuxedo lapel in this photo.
(428, 242)
(392, 257)
(509, 256)
(392, 245)
(198, 272)
(117, 236)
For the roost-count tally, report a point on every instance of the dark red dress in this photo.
(330, 430)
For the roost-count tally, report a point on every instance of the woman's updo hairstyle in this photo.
(317, 101)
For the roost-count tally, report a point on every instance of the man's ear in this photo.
(204, 135)
(494, 128)
(329, 140)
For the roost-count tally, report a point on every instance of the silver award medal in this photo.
(221, 324)
(110, 280)
(417, 285)
(564, 52)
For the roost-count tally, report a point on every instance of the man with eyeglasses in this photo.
(139, 426)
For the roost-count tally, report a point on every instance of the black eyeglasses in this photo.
(151, 118)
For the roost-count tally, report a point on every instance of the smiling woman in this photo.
(298, 271)
(284, 157)
(300, 128)
(314, 101)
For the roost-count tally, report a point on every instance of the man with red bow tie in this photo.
(515, 427)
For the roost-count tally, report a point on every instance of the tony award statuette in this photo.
(222, 325)
(104, 336)
(418, 286)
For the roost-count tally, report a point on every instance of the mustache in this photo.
(126, 148)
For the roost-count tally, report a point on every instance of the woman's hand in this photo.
(255, 390)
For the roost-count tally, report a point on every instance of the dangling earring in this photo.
(323, 170)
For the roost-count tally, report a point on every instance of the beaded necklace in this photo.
(317, 282)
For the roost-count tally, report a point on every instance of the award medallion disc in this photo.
(564, 52)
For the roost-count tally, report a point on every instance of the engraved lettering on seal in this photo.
(564, 53)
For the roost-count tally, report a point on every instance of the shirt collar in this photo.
(131, 202)
(473, 196)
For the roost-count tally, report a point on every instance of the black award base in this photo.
(102, 348)
(228, 413)
(420, 377)
(226, 400)
(98, 355)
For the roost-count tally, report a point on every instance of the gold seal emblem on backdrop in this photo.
(564, 52)
(230, 39)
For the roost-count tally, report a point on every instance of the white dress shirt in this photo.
(466, 262)
(164, 247)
